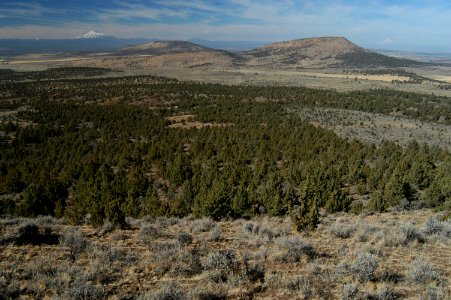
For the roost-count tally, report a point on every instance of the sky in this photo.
(378, 24)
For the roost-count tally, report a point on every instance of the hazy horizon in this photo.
(378, 24)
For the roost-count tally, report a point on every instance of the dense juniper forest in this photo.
(102, 149)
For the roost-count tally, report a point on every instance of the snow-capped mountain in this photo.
(92, 34)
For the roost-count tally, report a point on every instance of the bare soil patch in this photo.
(186, 122)
(198, 125)
(181, 118)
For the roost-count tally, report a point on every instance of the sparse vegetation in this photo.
(52, 73)
(289, 265)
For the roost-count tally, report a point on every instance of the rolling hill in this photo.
(321, 52)
(162, 47)
(165, 54)
(310, 53)
(179, 53)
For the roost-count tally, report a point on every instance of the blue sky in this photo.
(385, 24)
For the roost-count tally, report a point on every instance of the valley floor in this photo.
(323, 78)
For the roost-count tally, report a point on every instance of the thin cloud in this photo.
(23, 10)
(366, 23)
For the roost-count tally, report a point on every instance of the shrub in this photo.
(364, 266)
(166, 222)
(299, 284)
(220, 264)
(446, 231)
(349, 291)
(391, 276)
(74, 241)
(435, 293)
(184, 238)
(432, 226)
(167, 291)
(187, 263)
(164, 255)
(365, 231)
(291, 249)
(254, 271)
(262, 229)
(107, 227)
(420, 271)
(110, 254)
(205, 292)
(216, 276)
(386, 293)
(221, 260)
(408, 233)
(81, 288)
(273, 280)
(404, 234)
(202, 225)
(340, 230)
(215, 234)
(147, 232)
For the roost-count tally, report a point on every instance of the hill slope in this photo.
(321, 52)
(166, 54)
(163, 47)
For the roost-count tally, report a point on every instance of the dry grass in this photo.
(181, 118)
(372, 128)
(216, 68)
(398, 254)
(383, 78)
(186, 122)
(196, 124)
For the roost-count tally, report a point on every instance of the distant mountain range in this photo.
(323, 52)
(90, 42)
(92, 34)
(442, 58)
(314, 53)
(93, 41)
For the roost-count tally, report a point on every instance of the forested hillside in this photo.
(103, 149)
